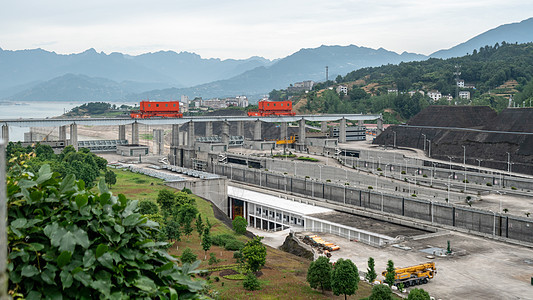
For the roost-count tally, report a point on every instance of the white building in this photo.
(435, 95)
(464, 95)
(242, 101)
(343, 89)
(460, 83)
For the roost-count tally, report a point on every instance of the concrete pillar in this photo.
(135, 133)
(158, 141)
(380, 126)
(361, 123)
(240, 128)
(5, 133)
(323, 126)
(121, 132)
(63, 133)
(174, 143)
(301, 133)
(257, 131)
(342, 131)
(284, 131)
(209, 128)
(225, 132)
(190, 138)
(74, 135)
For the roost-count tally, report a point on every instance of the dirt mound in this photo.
(512, 119)
(453, 116)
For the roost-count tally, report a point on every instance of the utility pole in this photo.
(326, 73)
(457, 73)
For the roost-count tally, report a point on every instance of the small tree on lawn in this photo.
(390, 277)
(239, 225)
(186, 215)
(344, 278)
(110, 177)
(418, 294)
(199, 224)
(254, 254)
(381, 292)
(371, 271)
(207, 223)
(250, 283)
(166, 200)
(148, 207)
(206, 242)
(188, 256)
(319, 274)
(172, 230)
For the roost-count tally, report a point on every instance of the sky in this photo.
(243, 28)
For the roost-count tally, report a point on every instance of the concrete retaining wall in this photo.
(214, 190)
(502, 225)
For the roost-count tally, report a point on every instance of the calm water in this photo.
(32, 110)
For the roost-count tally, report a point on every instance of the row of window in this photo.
(157, 105)
(278, 215)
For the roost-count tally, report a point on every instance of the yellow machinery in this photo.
(291, 140)
(415, 275)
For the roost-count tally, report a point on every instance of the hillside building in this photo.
(342, 89)
(435, 95)
(464, 95)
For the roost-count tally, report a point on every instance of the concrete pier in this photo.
(74, 135)
(225, 133)
(190, 138)
(208, 128)
(379, 127)
(62, 133)
(121, 132)
(257, 131)
(301, 132)
(158, 141)
(135, 133)
(5, 133)
(342, 131)
(240, 128)
(284, 131)
(323, 126)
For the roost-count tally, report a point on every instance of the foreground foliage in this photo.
(66, 241)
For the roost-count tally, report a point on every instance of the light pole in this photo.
(394, 132)
(424, 142)
(449, 188)
(479, 164)
(508, 163)
(320, 167)
(464, 163)
(429, 152)
(381, 201)
(379, 162)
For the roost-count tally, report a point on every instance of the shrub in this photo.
(234, 245)
(213, 260)
(217, 279)
(251, 283)
(370, 187)
(379, 169)
(513, 188)
(489, 184)
(56, 250)
(425, 176)
(403, 172)
(187, 256)
(222, 239)
(413, 195)
(237, 254)
(239, 225)
(465, 181)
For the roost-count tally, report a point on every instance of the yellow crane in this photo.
(414, 275)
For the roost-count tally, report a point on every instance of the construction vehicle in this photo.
(415, 275)
(157, 109)
(272, 108)
(291, 140)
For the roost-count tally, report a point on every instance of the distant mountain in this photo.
(71, 87)
(511, 33)
(23, 69)
(306, 64)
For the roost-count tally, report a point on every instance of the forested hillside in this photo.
(491, 75)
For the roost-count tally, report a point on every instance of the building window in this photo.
(157, 105)
(166, 105)
(148, 105)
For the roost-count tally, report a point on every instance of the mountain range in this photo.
(33, 75)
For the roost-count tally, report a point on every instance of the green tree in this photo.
(390, 276)
(319, 274)
(371, 271)
(239, 225)
(344, 278)
(166, 200)
(250, 283)
(110, 177)
(381, 292)
(148, 207)
(254, 254)
(199, 225)
(186, 215)
(418, 294)
(172, 230)
(187, 256)
(57, 251)
(206, 242)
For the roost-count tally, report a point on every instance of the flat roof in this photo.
(276, 202)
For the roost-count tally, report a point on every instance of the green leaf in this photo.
(81, 185)
(37, 246)
(18, 223)
(67, 184)
(36, 196)
(34, 295)
(48, 276)
(104, 199)
(88, 258)
(66, 279)
(82, 238)
(68, 242)
(29, 271)
(26, 184)
(63, 259)
(102, 286)
(131, 220)
(44, 174)
(83, 277)
(81, 201)
(101, 249)
(146, 284)
(119, 229)
(102, 187)
(173, 294)
(106, 260)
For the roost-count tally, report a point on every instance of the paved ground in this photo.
(488, 270)
(272, 239)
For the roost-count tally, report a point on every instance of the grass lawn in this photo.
(284, 274)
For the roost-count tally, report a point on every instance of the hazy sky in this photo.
(243, 28)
